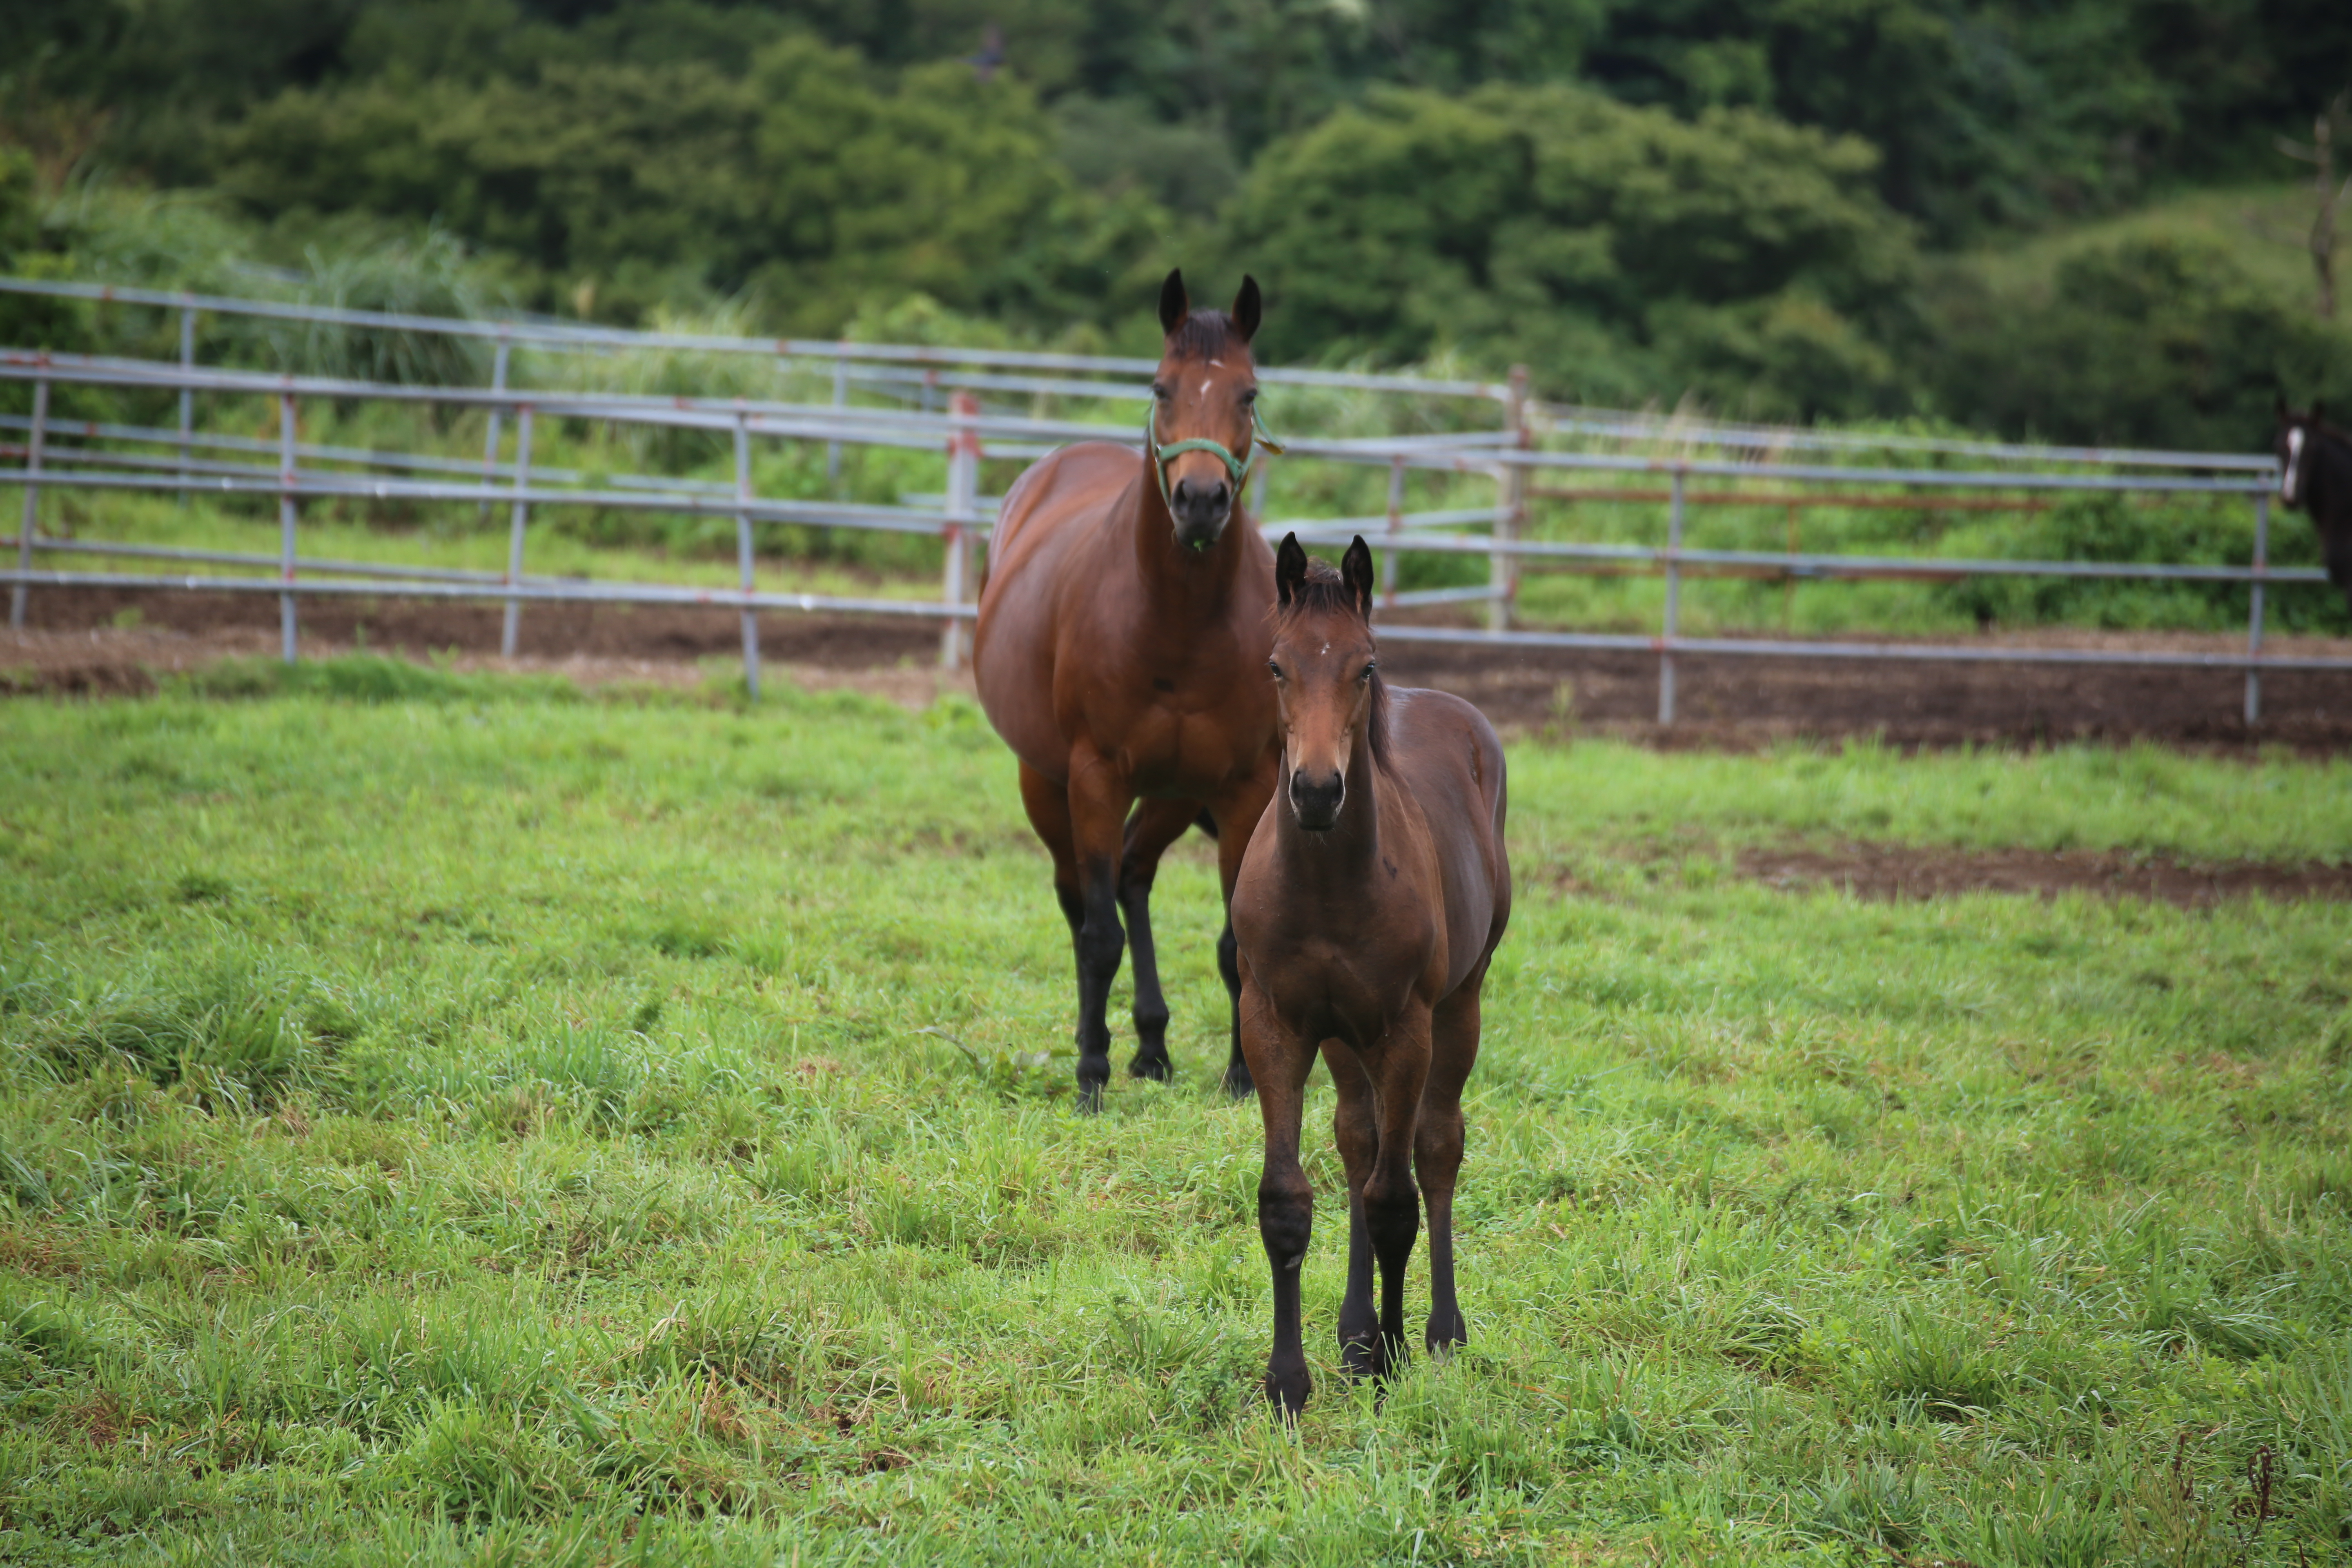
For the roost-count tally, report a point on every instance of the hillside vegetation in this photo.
(1777, 207)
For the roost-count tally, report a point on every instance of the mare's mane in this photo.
(1324, 593)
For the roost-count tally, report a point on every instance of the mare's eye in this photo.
(1367, 676)
(1273, 668)
(1159, 390)
(1249, 395)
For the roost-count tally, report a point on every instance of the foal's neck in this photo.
(1350, 854)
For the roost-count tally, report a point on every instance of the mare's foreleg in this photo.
(1437, 1151)
(1285, 1200)
(1155, 826)
(1354, 1128)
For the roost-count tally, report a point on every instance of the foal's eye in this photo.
(1273, 668)
(1367, 676)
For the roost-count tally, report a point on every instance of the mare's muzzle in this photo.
(1202, 508)
(1316, 799)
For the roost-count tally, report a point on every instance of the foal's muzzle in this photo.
(1315, 801)
(1202, 508)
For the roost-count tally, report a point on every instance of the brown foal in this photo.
(1370, 904)
(1122, 630)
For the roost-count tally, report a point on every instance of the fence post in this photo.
(962, 511)
(1510, 517)
(2254, 612)
(286, 626)
(522, 519)
(1396, 526)
(32, 502)
(498, 412)
(743, 552)
(1674, 603)
(840, 400)
(187, 395)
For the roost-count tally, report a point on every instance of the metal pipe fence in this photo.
(1754, 471)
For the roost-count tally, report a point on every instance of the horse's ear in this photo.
(1356, 571)
(1174, 305)
(1289, 570)
(1248, 309)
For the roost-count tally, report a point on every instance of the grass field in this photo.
(444, 1119)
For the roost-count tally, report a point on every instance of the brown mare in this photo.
(1122, 632)
(1370, 904)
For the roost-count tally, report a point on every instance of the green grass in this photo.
(444, 1118)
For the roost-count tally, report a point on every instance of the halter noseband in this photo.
(1237, 468)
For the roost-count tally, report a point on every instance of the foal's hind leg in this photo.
(1155, 826)
(1437, 1149)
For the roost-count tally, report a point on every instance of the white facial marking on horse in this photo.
(1324, 649)
(2294, 461)
(1218, 364)
(1204, 389)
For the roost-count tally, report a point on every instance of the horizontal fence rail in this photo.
(1754, 465)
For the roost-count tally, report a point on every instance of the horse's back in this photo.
(1451, 760)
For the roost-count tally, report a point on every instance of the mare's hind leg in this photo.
(1358, 1137)
(1098, 802)
(1437, 1149)
(1155, 826)
(1234, 819)
(1048, 806)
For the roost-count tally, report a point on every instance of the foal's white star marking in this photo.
(2293, 456)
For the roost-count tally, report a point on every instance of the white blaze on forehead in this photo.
(1204, 389)
(2294, 461)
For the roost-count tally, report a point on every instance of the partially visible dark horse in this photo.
(1370, 904)
(2316, 474)
(1121, 654)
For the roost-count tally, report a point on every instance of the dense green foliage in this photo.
(443, 1119)
(1620, 248)
(1736, 201)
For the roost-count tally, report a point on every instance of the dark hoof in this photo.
(1361, 1358)
(1445, 1334)
(1287, 1390)
(1238, 1083)
(1155, 1068)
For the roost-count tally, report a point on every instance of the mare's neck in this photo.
(1185, 585)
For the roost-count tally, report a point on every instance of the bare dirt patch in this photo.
(1891, 871)
(1724, 703)
(1738, 704)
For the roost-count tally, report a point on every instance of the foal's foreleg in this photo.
(1155, 826)
(1398, 1067)
(1285, 1199)
(1437, 1151)
(1357, 1134)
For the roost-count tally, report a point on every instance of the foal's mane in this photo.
(1324, 593)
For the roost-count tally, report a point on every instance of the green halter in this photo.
(1238, 467)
